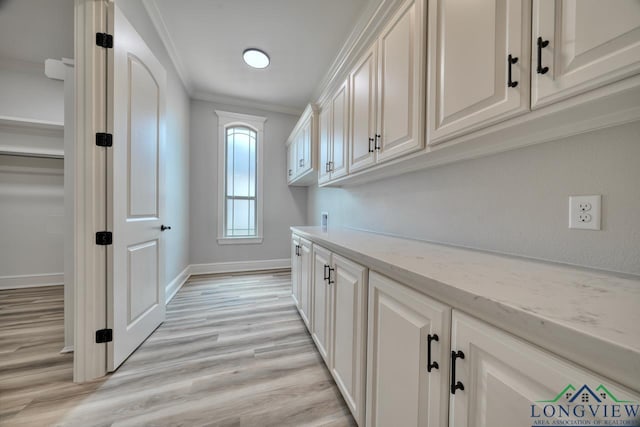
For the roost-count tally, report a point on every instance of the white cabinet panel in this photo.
(469, 82)
(590, 43)
(400, 389)
(295, 270)
(363, 112)
(508, 381)
(301, 149)
(320, 324)
(348, 332)
(401, 65)
(324, 120)
(304, 279)
(340, 131)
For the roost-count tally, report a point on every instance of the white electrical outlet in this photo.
(584, 212)
(324, 220)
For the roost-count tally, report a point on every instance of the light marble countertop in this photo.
(587, 316)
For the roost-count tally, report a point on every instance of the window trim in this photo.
(226, 120)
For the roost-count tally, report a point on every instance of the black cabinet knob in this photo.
(165, 227)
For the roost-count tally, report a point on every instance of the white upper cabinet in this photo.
(584, 44)
(401, 93)
(363, 111)
(324, 119)
(334, 136)
(301, 149)
(479, 53)
(339, 132)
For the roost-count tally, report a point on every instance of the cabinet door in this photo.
(340, 131)
(324, 122)
(320, 323)
(295, 271)
(400, 389)
(305, 147)
(591, 43)
(304, 279)
(363, 112)
(299, 153)
(469, 81)
(508, 381)
(348, 333)
(291, 161)
(401, 65)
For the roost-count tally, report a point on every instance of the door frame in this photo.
(90, 279)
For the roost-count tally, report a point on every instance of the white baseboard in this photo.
(31, 281)
(67, 349)
(174, 286)
(239, 266)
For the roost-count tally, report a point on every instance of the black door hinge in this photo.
(104, 40)
(104, 335)
(104, 139)
(104, 238)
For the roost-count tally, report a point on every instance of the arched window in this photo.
(240, 182)
(240, 197)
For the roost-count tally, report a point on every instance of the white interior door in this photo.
(136, 300)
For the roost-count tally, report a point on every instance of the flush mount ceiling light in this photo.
(255, 58)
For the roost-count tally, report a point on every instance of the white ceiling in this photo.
(34, 30)
(206, 39)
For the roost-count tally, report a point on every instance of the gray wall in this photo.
(283, 206)
(177, 152)
(31, 218)
(515, 202)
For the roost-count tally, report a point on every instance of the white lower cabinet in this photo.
(401, 358)
(509, 382)
(339, 325)
(407, 366)
(301, 277)
(321, 301)
(349, 332)
(295, 270)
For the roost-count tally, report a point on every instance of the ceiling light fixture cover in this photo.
(255, 58)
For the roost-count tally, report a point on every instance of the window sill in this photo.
(240, 240)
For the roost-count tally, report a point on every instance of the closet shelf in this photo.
(30, 123)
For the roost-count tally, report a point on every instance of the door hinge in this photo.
(104, 335)
(104, 40)
(104, 238)
(104, 139)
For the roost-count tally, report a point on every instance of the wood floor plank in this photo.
(233, 351)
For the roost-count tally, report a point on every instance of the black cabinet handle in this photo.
(326, 274)
(329, 277)
(164, 227)
(371, 150)
(290, 172)
(430, 364)
(377, 147)
(455, 385)
(326, 167)
(541, 44)
(297, 250)
(511, 60)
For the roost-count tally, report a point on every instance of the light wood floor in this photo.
(232, 352)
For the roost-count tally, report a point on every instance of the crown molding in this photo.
(163, 32)
(364, 32)
(245, 103)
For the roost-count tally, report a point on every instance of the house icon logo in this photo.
(596, 407)
(585, 395)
